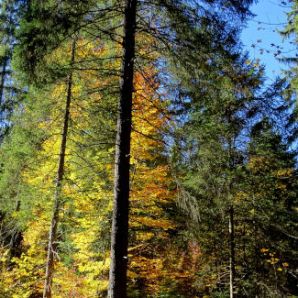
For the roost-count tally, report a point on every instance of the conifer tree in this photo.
(10, 93)
(119, 237)
(42, 19)
(271, 190)
(216, 186)
(215, 161)
(59, 184)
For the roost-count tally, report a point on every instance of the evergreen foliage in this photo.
(197, 151)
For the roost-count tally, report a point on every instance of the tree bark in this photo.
(119, 236)
(52, 244)
(232, 250)
(15, 245)
(2, 83)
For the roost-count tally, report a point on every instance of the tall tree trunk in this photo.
(119, 237)
(232, 250)
(52, 244)
(2, 83)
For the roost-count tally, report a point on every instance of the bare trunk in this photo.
(52, 244)
(232, 251)
(119, 237)
(2, 84)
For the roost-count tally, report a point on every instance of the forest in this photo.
(144, 152)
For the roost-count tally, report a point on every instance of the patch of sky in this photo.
(262, 38)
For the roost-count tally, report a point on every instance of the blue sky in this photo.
(261, 37)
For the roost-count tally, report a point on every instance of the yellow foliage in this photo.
(281, 173)
(81, 270)
(264, 250)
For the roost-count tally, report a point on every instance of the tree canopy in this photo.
(143, 153)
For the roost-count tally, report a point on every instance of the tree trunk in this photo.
(232, 250)
(119, 237)
(15, 245)
(52, 245)
(2, 84)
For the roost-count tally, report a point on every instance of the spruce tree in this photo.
(52, 244)
(271, 189)
(43, 19)
(10, 92)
